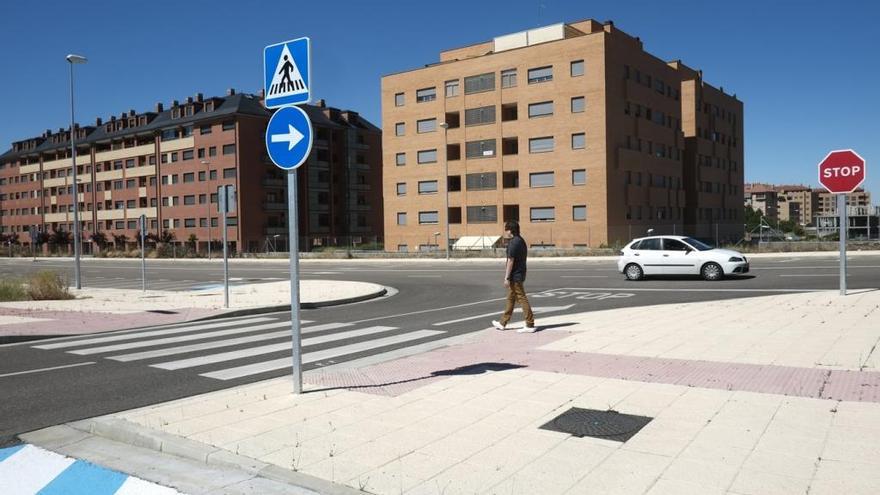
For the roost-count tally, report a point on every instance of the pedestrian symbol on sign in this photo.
(287, 77)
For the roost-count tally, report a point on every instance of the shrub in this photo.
(12, 290)
(48, 285)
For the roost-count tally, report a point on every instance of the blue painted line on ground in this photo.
(8, 451)
(85, 478)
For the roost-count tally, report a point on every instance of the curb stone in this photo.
(285, 307)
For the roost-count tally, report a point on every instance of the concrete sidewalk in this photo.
(99, 310)
(767, 395)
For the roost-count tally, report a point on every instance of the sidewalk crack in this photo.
(864, 364)
(824, 383)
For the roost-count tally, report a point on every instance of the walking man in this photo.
(514, 277)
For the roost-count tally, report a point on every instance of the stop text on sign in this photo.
(850, 171)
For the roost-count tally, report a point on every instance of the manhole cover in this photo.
(608, 425)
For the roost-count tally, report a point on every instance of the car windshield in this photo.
(697, 244)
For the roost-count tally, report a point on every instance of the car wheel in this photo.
(712, 271)
(633, 272)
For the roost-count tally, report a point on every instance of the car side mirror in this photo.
(688, 251)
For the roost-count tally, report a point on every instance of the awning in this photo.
(476, 242)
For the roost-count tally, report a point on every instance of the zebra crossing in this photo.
(241, 347)
(26, 469)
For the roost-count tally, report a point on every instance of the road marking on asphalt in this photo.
(537, 310)
(150, 333)
(583, 276)
(30, 469)
(46, 369)
(585, 296)
(220, 343)
(814, 275)
(317, 356)
(424, 276)
(266, 349)
(696, 290)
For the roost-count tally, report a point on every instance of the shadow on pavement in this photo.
(471, 369)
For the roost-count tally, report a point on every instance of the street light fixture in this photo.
(208, 202)
(74, 59)
(445, 127)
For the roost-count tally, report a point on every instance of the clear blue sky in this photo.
(807, 71)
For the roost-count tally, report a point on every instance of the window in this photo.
(427, 156)
(578, 141)
(508, 78)
(480, 149)
(542, 214)
(401, 219)
(479, 116)
(130, 204)
(540, 74)
(674, 245)
(228, 149)
(229, 125)
(401, 159)
(132, 224)
(399, 129)
(428, 217)
(173, 157)
(427, 125)
(189, 222)
(541, 144)
(189, 200)
(579, 213)
(481, 181)
(477, 84)
(205, 129)
(426, 94)
(577, 68)
(399, 100)
(452, 88)
(228, 173)
(541, 179)
(130, 184)
(578, 104)
(212, 151)
(202, 176)
(201, 153)
(128, 163)
(401, 188)
(541, 109)
(117, 184)
(453, 183)
(203, 198)
(212, 175)
(482, 214)
(188, 155)
(648, 244)
(189, 177)
(427, 187)
(578, 177)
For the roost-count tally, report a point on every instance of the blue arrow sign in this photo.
(287, 76)
(289, 137)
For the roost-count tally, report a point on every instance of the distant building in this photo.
(800, 203)
(762, 197)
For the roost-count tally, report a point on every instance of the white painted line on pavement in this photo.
(583, 276)
(220, 343)
(630, 289)
(137, 486)
(173, 340)
(537, 310)
(46, 369)
(30, 469)
(150, 333)
(266, 349)
(814, 275)
(313, 357)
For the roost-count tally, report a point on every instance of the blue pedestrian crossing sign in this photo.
(289, 137)
(287, 73)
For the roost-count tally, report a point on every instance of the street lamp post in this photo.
(208, 202)
(445, 127)
(74, 59)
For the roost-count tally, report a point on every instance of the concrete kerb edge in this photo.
(126, 432)
(285, 307)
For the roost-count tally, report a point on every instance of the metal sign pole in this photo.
(841, 208)
(293, 246)
(223, 207)
(143, 252)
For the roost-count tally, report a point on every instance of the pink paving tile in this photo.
(406, 374)
(83, 322)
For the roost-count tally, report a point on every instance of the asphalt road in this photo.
(48, 382)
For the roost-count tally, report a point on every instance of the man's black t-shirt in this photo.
(517, 251)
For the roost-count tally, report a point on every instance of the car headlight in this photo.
(735, 259)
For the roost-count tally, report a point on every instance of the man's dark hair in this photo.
(512, 226)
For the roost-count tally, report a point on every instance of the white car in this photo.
(678, 255)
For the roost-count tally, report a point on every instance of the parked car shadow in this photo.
(727, 278)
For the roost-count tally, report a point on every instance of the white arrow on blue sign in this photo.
(287, 76)
(289, 137)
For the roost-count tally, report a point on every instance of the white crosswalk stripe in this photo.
(30, 469)
(314, 357)
(266, 349)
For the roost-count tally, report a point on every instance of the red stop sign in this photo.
(842, 171)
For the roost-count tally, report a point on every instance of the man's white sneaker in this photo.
(498, 326)
(527, 329)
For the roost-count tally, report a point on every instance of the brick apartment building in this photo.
(573, 129)
(800, 203)
(168, 163)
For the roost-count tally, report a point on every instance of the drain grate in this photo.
(608, 425)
